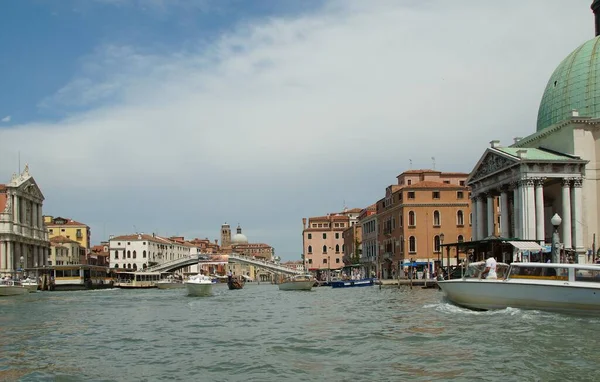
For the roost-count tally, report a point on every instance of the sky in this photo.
(176, 116)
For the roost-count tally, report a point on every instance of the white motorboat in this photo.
(298, 282)
(572, 288)
(199, 285)
(30, 284)
(170, 283)
(12, 288)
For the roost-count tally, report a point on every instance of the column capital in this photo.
(577, 182)
(539, 182)
(566, 182)
(528, 182)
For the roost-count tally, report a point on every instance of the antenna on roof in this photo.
(433, 160)
(410, 164)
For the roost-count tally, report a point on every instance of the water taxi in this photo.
(199, 285)
(298, 282)
(570, 288)
(10, 287)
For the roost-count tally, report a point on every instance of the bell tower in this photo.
(225, 235)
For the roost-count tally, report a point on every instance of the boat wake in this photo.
(449, 308)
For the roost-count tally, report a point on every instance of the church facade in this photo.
(552, 171)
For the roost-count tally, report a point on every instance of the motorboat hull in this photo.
(352, 283)
(556, 296)
(12, 290)
(31, 287)
(199, 289)
(169, 285)
(297, 285)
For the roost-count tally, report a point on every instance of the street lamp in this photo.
(556, 220)
(22, 259)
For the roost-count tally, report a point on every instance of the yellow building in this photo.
(65, 251)
(70, 229)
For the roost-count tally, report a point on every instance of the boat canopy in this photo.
(526, 245)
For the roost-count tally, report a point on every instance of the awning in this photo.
(526, 246)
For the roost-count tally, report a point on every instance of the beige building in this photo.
(69, 228)
(64, 251)
(423, 210)
(23, 237)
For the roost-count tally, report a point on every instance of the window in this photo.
(436, 243)
(411, 219)
(324, 249)
(400, 220)
(116, 254)
(116, 265)
(134, 254)
(446, 182)
(409, 182)
(460, 195)
(460, 239)
(134, 266)
(309, 236)
(343, 247)
(144, 254)
(50, 231)
(310, 249)
(435, 194)
(410, 195)
(310, 261)
(62, 230)
(412, 244)
(324, 236)
(337, 235)
(337, 261)
(470, 218)
(460, 218)
(143, 243)
(462, 183)
(324, 261)
(337, 248)
(436, 218)
(78, 234)
(128, 243)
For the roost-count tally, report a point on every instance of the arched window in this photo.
(343, 247)
(436, 243)
(134, 254)
(412, 219)
(460, 239)
(128, 254)
(116, 254)
(144, 254)
(116, 265)
(401, 244)
(324, 249)
(128, 266)
(337, 248)
(436, 218)
(310, 249)
(412, 244)
(460, 218)
(145, 266)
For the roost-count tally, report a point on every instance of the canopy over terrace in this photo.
(499, 247)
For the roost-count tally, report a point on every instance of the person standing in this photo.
(490, 269)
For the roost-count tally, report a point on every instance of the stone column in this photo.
(40, 217)
(566, 212)
(480, 218)
(517, 209)
(539, 211)
(34, 214)
(577, 214)
(2, 256)
(474, 206)
(17, 211)
(10, 256)
(490, 214)
(504, 214)
(529, 210)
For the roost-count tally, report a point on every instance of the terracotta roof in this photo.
(69, 222)
(430, 184)
(2, 187)
(419, 171)
(352, 210)
(332, 217)
(105, 254)
(2, 202)
(145, 237)
(61, 240)
(372, 207)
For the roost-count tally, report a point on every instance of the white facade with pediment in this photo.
(22, 231)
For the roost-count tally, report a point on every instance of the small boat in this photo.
(352, 283)
(170, 283)
(235, 283)
(298, 282)
(199, 285)
(30, 284)
(556, 287)
(12, 288)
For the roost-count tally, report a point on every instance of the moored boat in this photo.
(571, 288)
(352, 283)
(199, 285)
(12, 288)
(30, 284)
(298, 282)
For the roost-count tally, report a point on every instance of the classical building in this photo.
(416, 215)
(555, 170)
(139, 251)
(70, 229)
(323, 244)
(64, 251)
(23, 237)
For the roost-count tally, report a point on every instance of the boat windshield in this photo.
(538, 271)
(473, 270)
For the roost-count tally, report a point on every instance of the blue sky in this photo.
(175, 116)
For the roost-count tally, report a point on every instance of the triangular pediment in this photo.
(491, 162)
(30, 187)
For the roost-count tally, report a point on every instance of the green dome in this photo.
(574, 85)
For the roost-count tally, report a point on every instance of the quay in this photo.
(427, 283)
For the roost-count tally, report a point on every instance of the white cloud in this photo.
(286, 117)
(6, 119)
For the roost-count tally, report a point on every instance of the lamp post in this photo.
(440, 249)
(22, 261)
(556, 220)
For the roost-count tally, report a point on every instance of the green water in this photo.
(263, 334)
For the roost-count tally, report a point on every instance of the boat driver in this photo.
(490, 269)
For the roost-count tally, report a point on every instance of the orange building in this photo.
(425, 209)
(352, 237)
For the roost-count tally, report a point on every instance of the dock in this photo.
(425, 283)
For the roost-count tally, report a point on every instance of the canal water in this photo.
(262, 334)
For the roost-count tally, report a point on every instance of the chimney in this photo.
(303, 223)
(517, 139)
(596, 9)
(495, 144)
(522, 154)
